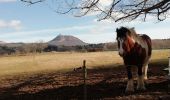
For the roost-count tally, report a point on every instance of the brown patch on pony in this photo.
(128, 44)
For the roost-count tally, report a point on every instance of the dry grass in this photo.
(65, 61)
(55, 61)
(38, 76)
(160, 57)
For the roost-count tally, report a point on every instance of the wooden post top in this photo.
(84, 63)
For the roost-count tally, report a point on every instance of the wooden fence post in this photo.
(84, 78)
(169, 76)
(169, 68)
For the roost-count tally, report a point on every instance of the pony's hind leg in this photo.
(145, 70)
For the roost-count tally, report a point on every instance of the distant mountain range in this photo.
(66, 40)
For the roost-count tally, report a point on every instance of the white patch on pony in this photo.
(130, 86)
(133, 40)
(120, 49)
(142, 43)
(145, 67)
(145, 72)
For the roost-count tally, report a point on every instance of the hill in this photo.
(2, 42)
(161, 43)
(156, 44)
(66, 40)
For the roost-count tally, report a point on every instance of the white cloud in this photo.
(42, 34)
(3, 1)
(14, 24)
(97, 38)
(93, 32)
(156, 33)
(3, 24)
(50, 30)
(105, 2)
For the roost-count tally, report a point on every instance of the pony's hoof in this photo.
(145, 78)
(141, 88)
(129, 90)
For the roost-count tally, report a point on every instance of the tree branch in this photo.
(119, 10)
(32, 2)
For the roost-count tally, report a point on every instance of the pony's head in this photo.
(125, 40)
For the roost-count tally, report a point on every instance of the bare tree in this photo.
(118, 10)
(40, 46)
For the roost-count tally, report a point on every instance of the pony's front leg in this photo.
(130, 85)
(140, 80)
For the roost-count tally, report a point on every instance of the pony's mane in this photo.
(132, 32)
(136, 36)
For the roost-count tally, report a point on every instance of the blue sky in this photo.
(20, 22)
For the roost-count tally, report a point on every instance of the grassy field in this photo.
(41, 77)
(56, 61)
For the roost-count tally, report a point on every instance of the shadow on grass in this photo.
(95, 92)
(110, 86)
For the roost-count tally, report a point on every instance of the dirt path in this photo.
(107, 84)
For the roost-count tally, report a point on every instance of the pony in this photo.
(135, 49)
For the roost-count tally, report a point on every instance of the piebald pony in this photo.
(136, 51)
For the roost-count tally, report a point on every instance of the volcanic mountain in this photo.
(66, 40)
